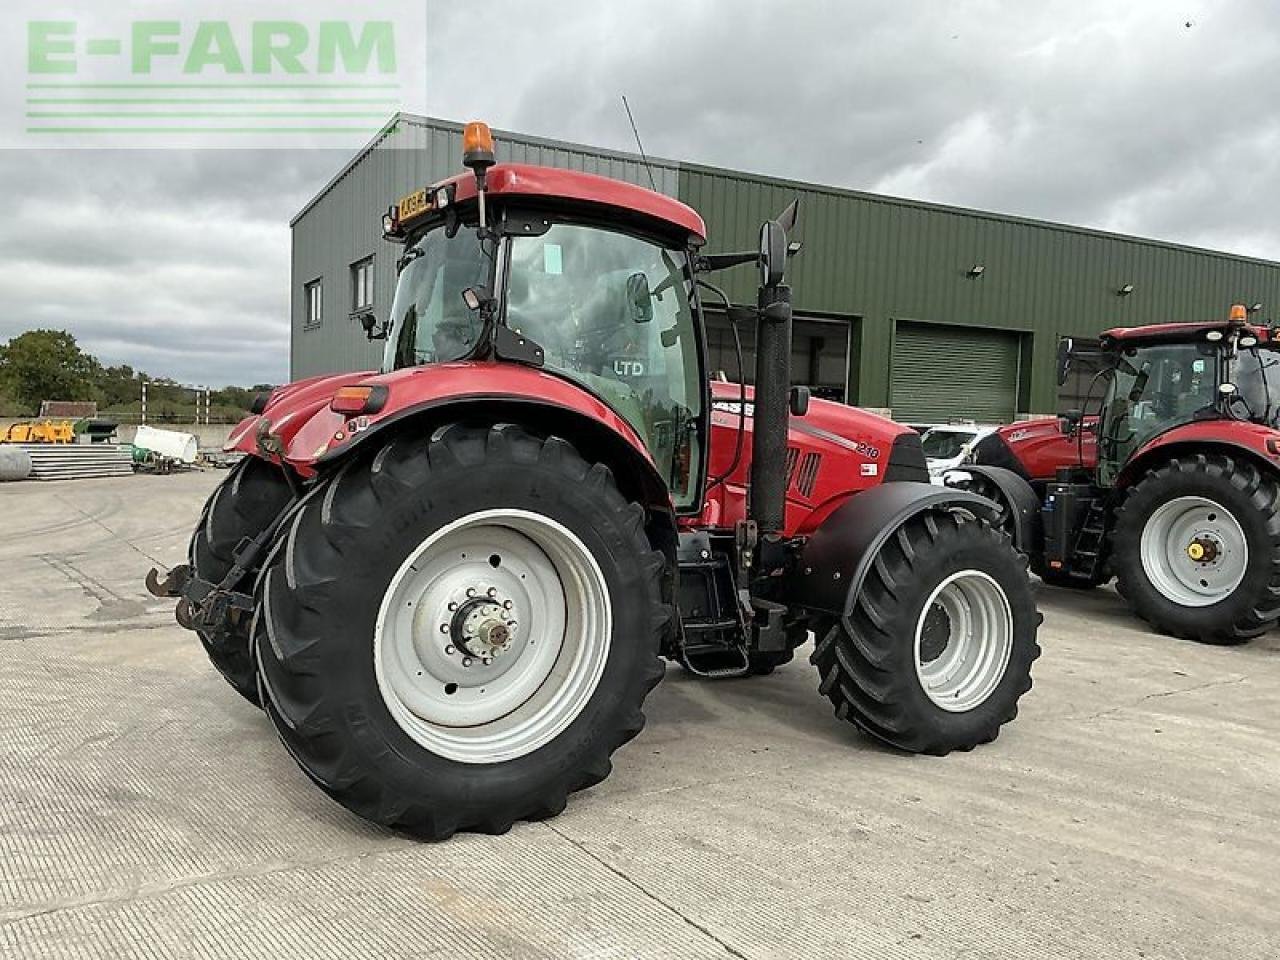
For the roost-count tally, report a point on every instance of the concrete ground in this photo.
(146, 811)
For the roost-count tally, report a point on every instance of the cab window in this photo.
(1151, 390)
(613, 312)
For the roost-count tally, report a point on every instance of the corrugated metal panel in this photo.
(980, 380)
(344, 224)
(876, 258)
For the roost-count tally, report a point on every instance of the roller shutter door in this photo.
(944, 372)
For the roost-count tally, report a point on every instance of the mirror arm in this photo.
(710, 263)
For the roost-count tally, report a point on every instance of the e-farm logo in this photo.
(265, 79)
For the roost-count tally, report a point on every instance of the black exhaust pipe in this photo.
(771, 420)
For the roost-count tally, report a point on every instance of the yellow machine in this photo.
(45, 431)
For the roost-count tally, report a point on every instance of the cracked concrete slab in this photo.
(146, 811)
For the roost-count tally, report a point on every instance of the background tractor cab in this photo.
(466, 565)
(1169, 484)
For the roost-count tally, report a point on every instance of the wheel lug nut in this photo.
(492, 592)
(471, 591)
(449, 650)
(486, 660)
(506, 604)
(466, 661)
(453, 606)
(444, 628)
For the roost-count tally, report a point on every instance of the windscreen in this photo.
(1256, 374)
(430, 323)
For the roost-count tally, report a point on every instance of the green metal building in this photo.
(929, 311)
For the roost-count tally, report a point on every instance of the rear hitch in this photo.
(174, 580)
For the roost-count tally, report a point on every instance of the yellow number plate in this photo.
(413, 205)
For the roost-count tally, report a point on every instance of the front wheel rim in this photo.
(1194, 551)
(963, 641)
(492, 636)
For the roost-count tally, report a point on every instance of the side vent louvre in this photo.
(793, 454)
(808, 473)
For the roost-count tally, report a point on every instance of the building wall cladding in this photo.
(886, 261)
(876, 260)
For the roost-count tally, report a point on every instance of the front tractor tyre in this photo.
(938, 647)
(249, 499)
(1197, 549)
(461, 630)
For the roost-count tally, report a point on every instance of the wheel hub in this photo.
(492, 635)
(1204, 549)
(1194, 551)
(483, 627)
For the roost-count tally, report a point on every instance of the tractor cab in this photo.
(1157, 378)
(1168, 485)
(584, 278)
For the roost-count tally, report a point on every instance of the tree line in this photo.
(49, 365)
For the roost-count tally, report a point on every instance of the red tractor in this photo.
(1173, 487)
(451, 582)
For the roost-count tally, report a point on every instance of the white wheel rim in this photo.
(963, 640)
(492, 636)
(1194, 551)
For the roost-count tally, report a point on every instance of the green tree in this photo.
(46, 365)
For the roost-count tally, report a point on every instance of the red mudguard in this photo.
(299, 424)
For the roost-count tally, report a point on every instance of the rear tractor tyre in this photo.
(247, 501)
(1197, 549)
(938, 648)
(460, 631)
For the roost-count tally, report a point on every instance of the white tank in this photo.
(15, 463)
(166, 443)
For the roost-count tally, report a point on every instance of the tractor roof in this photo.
(527, 180)
(1173, 333)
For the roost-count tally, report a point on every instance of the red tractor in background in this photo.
(450, 583)
(1172, 487)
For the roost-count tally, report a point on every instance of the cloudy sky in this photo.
(1149, 117)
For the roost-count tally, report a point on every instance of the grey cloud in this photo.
(1088, 112)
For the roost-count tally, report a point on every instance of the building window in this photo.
(362, 284)
(314, 292)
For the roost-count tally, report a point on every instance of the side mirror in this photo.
(1065, 346)
(798, 401)
(773, 253)
(369, 323)
(639, 298)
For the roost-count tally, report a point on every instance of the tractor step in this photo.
(699, 660)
